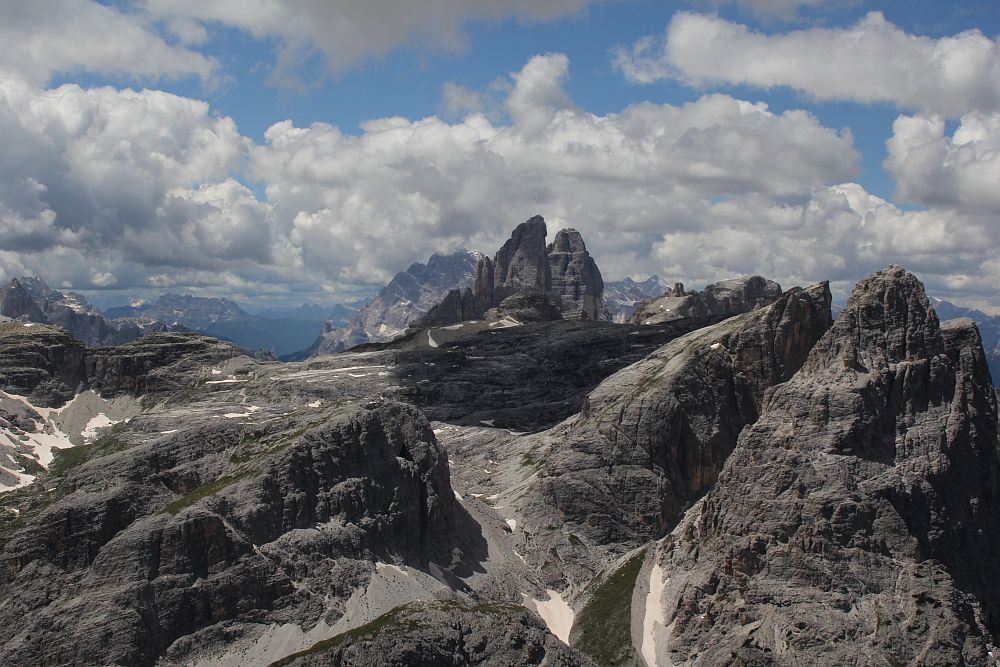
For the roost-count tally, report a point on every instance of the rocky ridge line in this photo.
(855, 522)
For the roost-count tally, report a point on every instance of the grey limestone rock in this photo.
(445, 633)
(521, 265)
(563, 273)
(621, 297)
(727, 297)
(856, 520)
(577, 285)
(652, 438)
(41, 362)
(407, 298)
(31, 300)
(161, 547)
(526, 308)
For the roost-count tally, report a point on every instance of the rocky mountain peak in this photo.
(577, 285)
(563, 272)
(521, 264)
(888, 319)
(881, 450)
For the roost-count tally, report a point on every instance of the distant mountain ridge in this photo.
(224, 318)
(31, 300)
(989, 329)
(407, 297)
(622, 296)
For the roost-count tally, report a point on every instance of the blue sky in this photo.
(330, 204)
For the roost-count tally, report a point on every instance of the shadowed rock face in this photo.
(653, 437)
(855, 522)
(521, 265)
(154, 364)
(528, 377)
(563, 273)
(178, 538)
(43, 363)
(577, 285)
(420, 634)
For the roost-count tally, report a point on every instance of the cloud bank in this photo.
(138, 189)
(872, 61)
(41, 39)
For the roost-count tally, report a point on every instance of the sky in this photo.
(281, 152)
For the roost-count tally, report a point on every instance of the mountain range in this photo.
(224, 319)
(729, 476)
(771, 487)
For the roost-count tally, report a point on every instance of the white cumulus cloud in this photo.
(109, 188)
(347, 31)
(961, 171)
(41, 39)
(368, 205)
(872, 61)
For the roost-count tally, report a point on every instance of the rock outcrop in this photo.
(856, 520)
(650, 439)
(577, 286)
(521, 266)
(727, 297)
(158, 363)
(988, 325)
(41, 362)
(563, 272)
(621, 297)
(421, 634)
(185, 545)
(525, 377)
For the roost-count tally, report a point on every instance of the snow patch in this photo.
(236, 415)
(95, 424)
(505, 323)
(430, 340)
(513, 524)
(556, 613)
(315, 404)
(654, 614)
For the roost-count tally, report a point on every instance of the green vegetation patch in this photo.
(388, 620)
(65, 460)
(394, 620)
(210, 489)
(602, 629)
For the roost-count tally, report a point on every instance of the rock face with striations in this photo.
(521, 266)
(856, 520)
(524, 267)
(652, 438)
(230, 539)
(43, 363)
(727, 297)
(577, 285)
